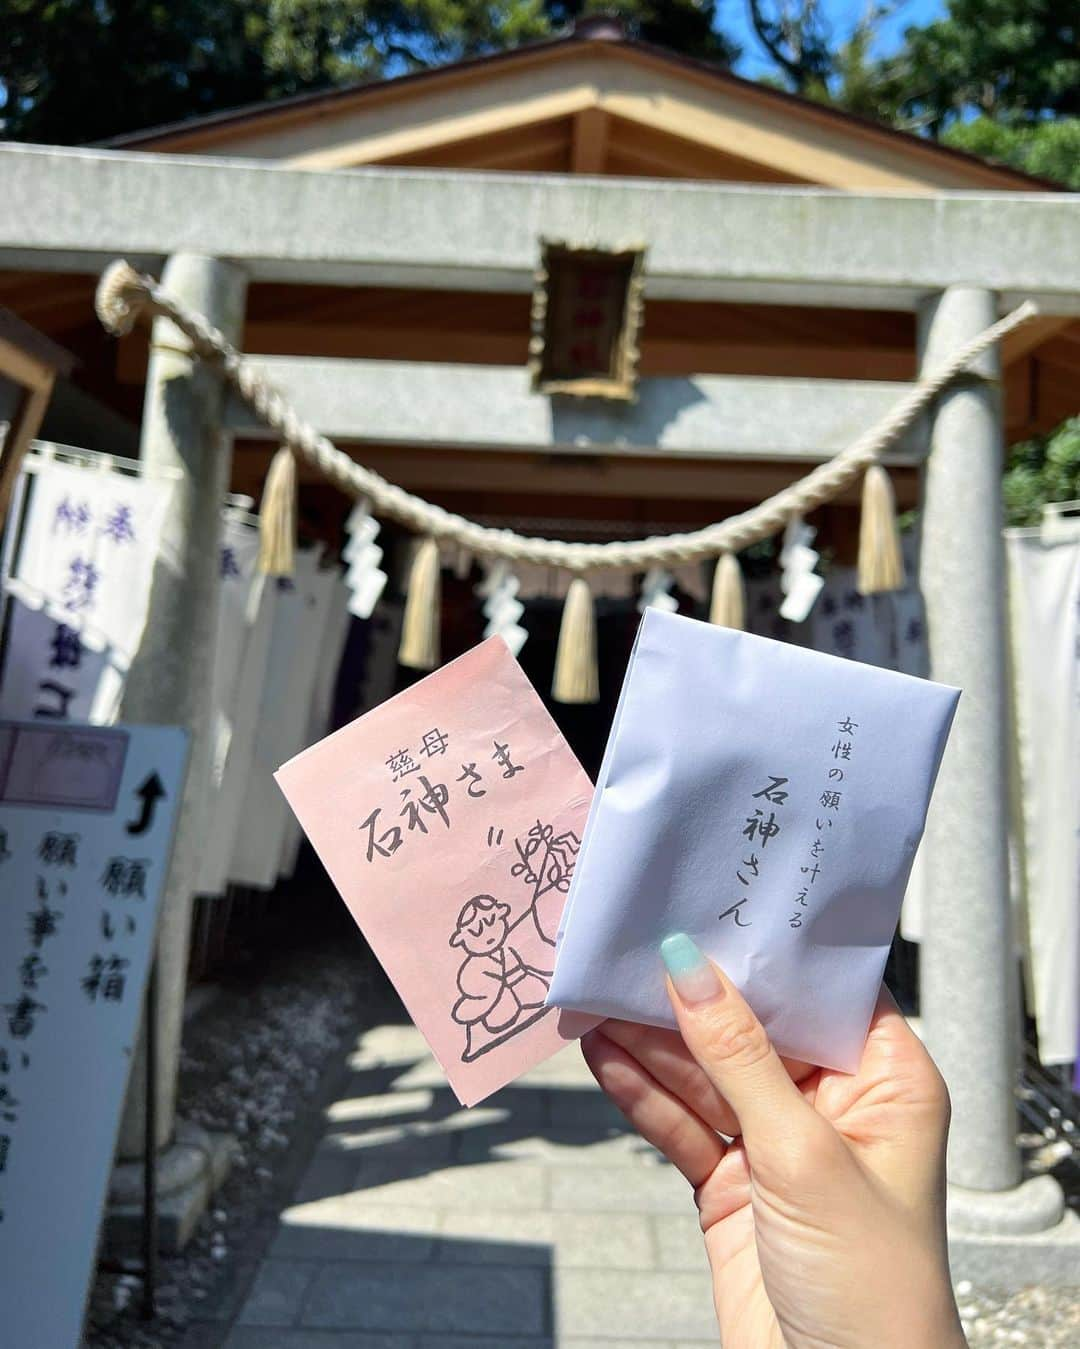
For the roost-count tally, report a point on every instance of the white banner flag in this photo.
(1044, 613)
(283, 717)
(847, 623)
(331, 604)
(49, 671)
(80, 588)
(90, 538)
(241, 643)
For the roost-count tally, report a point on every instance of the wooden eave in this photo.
(29, 355)
(403, 119)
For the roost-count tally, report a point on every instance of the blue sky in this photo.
(842, 15)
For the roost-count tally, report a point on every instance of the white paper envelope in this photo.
(768, 801)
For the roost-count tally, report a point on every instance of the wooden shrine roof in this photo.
(592, 101)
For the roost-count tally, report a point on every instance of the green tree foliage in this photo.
(83, 70)
(1049, 148)
(1042, 470)
(1005, 59)
(999, 78)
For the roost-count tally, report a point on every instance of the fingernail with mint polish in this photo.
(694, 978)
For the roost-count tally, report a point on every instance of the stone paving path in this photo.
(533, 1221)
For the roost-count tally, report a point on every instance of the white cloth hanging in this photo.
(1044, 617)
(909, 654)
(259, 623)
(238, 613)
(763, 600)
(79, 586)
(283, 716)
(906, 624)
(332, 624)
(50, 671)
(845, 623)
(380, 667)
(338, 622)
(915, 900)
(89, 541)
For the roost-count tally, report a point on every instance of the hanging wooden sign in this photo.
(585, 320)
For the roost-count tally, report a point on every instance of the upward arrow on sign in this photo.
(150, 791)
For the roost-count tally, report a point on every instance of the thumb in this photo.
(732, 1047)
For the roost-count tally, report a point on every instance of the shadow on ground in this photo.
(533, 1220)
(391, 1289)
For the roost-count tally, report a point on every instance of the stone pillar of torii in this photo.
(170, 681)
(968, 976)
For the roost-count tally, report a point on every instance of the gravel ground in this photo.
(258, 1062)
(1041, 1318)
(253, 1064)
(1038, 1317)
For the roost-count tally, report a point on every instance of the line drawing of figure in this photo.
(507, 969)
(546, 863)
(500, 993)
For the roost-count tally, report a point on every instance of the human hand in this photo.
(824, 1217)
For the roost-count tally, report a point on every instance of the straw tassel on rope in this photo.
(277, 516)
(576, 678)
(881, 562)
(419, 648)
(728, 607)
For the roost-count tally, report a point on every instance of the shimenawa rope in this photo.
(123, 295)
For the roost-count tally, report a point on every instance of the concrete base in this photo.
(1005, 1264)
(1005, 1240)
(1036, 1205)
(189, 1170)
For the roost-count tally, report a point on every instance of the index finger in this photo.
(664, 1056)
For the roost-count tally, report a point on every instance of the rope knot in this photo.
(122, 295)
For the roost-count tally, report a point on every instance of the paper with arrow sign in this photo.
(149, 792)
(86, 827)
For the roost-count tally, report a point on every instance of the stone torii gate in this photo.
(956, 259)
